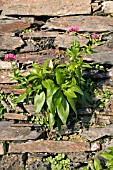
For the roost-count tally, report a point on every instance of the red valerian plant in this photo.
(10, 57)
(55, 88)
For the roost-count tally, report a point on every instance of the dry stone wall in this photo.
(36, 30)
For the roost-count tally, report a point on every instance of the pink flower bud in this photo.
(10, 57)
(95, 36)
(73, 28)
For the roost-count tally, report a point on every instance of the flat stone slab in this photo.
(1, 149)
(93, 134)
(85, 23)
(15, 116)
(10, 133)
(107, 7)
(13, 26)
(45, 7)
(49, 146)
(103, 57)
(8, 89)
(8, 42)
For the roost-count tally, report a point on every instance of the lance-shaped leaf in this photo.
(39, 100)
(63, 110)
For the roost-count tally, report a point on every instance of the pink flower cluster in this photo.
(73, 28)
(10, 57)
(95, 36)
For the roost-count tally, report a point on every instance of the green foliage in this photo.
(96, 165)
(59, 162)
(55, 88)
(2, 106)
(109, 157)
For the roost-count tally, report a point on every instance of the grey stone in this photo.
(85, 23)
(63, 41)
(45, 7)
(107, 7)
(10, 133)
(11, 162)
(93, 134)
(103, 57)
(8, 42)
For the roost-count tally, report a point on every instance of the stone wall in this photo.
(36, 30)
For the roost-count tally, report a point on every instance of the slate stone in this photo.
(1, 148)
(7, 88)
(4, 65)
(45, 7)
(8, 42)
(64, 41)
(15, 116)
(107, 7)
(103, 57)
(14, 26)
(49, 146)
(93, 134)
(85, 23)
(9, 133)
(4, 77)
(11, 162)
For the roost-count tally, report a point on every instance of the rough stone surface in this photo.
(8, 89)
(85, 23)
(107, 7)
(4, 77)
(8, 42)
(13, 26)
(1, 149)
(45, 7)
(63, 41)
(11, 162)
(103, 57)
(4, 65)
(97, 133)
(49, 146)
(15, 116)
(9, 133)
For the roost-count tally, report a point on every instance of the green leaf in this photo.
(85, 168)
(28, 91)
(21, 98)
(63, 110)
(59, 77)
(110, 163)
(51, 120)
(70, 93)
(45, 66)
(39, 100)
(32, 78)
(96, 164)
(106, 155)
(77, 89)
(57, 98)
(72, 104)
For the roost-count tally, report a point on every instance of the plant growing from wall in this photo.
(55, 88)
(58, 162)
(96, 165)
